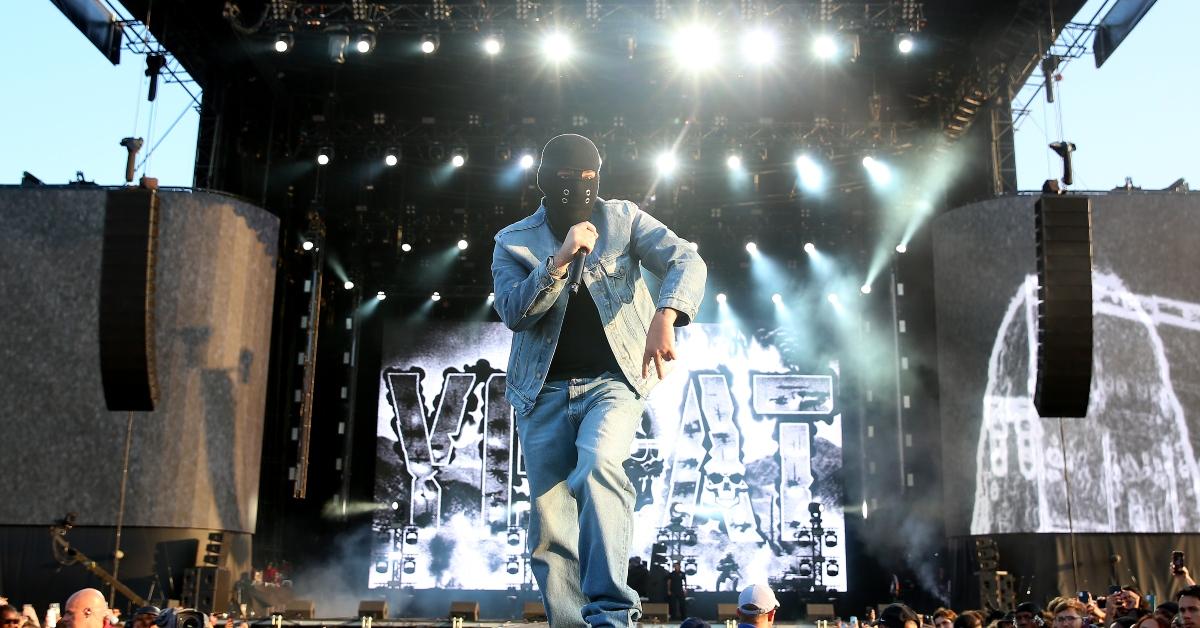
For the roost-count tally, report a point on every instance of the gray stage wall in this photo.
(195, 460)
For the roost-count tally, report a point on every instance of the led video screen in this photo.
(1132, 461)
(733, 448)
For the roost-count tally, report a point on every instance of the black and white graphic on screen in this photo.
(1135, 443)
(732, 452)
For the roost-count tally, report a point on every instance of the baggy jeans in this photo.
(575, 441)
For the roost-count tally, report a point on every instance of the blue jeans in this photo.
(576, 439)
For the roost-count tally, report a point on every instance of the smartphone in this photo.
(1177, 561)
(1085, 596)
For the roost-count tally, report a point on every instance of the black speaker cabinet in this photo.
(655, 613)
(206, 589)
(127, 300)
(533, 612)
(300, 609)
(469, 611)
(375, 609)
(726, 611)
(1063, 226)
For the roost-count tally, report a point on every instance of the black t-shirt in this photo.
(583, 349)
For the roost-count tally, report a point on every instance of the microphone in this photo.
(575, 272)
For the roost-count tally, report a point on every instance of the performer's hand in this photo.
(581, 236)
(660, 342)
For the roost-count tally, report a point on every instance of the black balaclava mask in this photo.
(568, 201)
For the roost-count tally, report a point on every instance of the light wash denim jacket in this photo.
(532, 302)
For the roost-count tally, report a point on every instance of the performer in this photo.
(580, 369)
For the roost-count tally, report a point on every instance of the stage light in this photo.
(462, 245)
(901, 248)
(395, 505)
(777, 299)
(406, 247)
(803, 538)
(665, 163)
(816, 508)
(833, 298)
(338, 40)
(364, 43)
(410, 565)
(284, 42)
(832, 569)
(751, 248)
(491, 297)
(435, 297)
(381, 295)
(307, 245)
(429, 44)
(760, 47)
(812, 176)
(349, 285)
(514, 536)
(880, 173)
(865, 289)
(410, 535)
(810, 248)
(513, 566)
(825, 47)
(526, 161)
(805, 569)
(381, 566)
(689, 566)
(904, 43)
(734, 162)
(391, 158)
(324, 155)
(557, 47)
(831, 538)
(458, 160)
(696, 48)
(721, 298)
(689, 538)
(492, 45)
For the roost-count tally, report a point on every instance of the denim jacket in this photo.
(532, 302)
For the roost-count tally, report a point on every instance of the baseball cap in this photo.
(757, 599)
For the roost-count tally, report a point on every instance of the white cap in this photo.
(757, 599)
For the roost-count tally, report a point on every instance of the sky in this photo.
(69, 111)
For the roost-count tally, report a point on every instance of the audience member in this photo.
(969, 619)
(756, 607)
(944, 618)
(1069, 613)
(1189, 607)
(898, 615)
(638, 576)
(694, 622)
(85, 608)
(143, 617)
(1152, 621)
(1167, 611)
(10, 617)
(677, 591)
(1028, 615)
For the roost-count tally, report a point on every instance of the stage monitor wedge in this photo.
(127, 270)
(1063, 232)
(467, 611)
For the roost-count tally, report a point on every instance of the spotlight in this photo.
(410, 565)
(435, 297)
(832, 297)
(395, 505)
(381, 295)
(760, 47)
(491, 297)
(865, 289)
(665, 163)
(410, 535)
(689, 567)
(751, 248)
(503, 152)
(832, 569)
(324, 155)
(810, 248)
(557, 47)
(721, 298)
(695, 48)
(392, 157)
(830, 538)
(816, 508)
(365, 43)
(805, 569)
(458, 160)
(406, 247)
(284, 42)
(381, 566)
(514, 536)
(803, 538)
(526, 161)
(349, 285)
(462, 245)
(880, 173)
(429, 44)
(777, 299)
(734, 162)
(904, 43)
(492, 45)
(901, 248)
(825, 47)
(513, 566)
(307, 245)
(812, 177)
